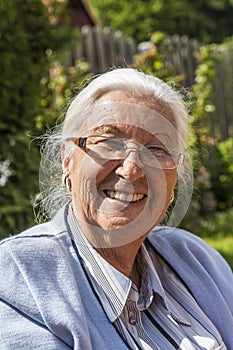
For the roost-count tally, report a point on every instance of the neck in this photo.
(120, 257)
(123, 259)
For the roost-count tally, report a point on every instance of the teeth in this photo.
(125, 197)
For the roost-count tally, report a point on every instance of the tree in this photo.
(27, 39)
(207, 21)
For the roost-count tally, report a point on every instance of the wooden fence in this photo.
(182, 54)
(103, 49)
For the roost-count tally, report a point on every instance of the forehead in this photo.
(124, 108)
(137, 115)
(145, 103)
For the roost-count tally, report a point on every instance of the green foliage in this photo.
(29, 38)
(59, 87)
(155, 60)
(218, 224)
(204, 91)
(25, 36)
(220, 166)
(214, 174)
(213, 170)
(224, 245)
(208, 21)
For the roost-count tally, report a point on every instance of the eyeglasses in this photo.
(116, 149)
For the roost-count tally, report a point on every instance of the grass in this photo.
(224, 245)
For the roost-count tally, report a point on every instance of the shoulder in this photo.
(33, 263)
(174, 234)
(34, 252)
(40, 284)
(36, 238)
(203, 270)
(32, 245)
(193, 259)
(181, 241)
(30, 249)
(186, 246)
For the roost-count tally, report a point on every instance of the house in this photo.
(81, 14)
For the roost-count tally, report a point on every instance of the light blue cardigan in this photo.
(47, 303)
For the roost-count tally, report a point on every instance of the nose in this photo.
(130, 167)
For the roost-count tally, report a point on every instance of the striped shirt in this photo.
(163, 315)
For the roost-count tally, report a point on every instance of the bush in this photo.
(29, 42)
(212, 160)
(213, 173)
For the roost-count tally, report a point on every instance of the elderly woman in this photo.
(103, 273)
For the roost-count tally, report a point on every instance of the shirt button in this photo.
(132, 318)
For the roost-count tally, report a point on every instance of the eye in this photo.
(112, 144)
(94, 140)
(103, 142)
(158, 151)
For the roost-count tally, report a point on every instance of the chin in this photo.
(114, 223)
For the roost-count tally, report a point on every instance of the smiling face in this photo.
(123, 197)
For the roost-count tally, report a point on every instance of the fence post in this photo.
(120, 49)
(100, 49)
(109, 46)
(186, 55)
(89, 47)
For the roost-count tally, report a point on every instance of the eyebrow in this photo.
(110, 128)
(107, 128)
(159, 138)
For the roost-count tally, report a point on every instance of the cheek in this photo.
(161, 184)
(84, 182)
(86, 176)
(171, 179)
(162, 181)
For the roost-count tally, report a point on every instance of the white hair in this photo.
(53, 194)
(128, 79)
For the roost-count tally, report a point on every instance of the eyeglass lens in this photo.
(119, 149)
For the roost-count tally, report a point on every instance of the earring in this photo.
(172, 197)
(66, 181)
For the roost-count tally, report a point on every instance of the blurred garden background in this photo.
(49, 47)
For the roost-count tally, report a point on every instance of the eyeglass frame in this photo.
(82, 140)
